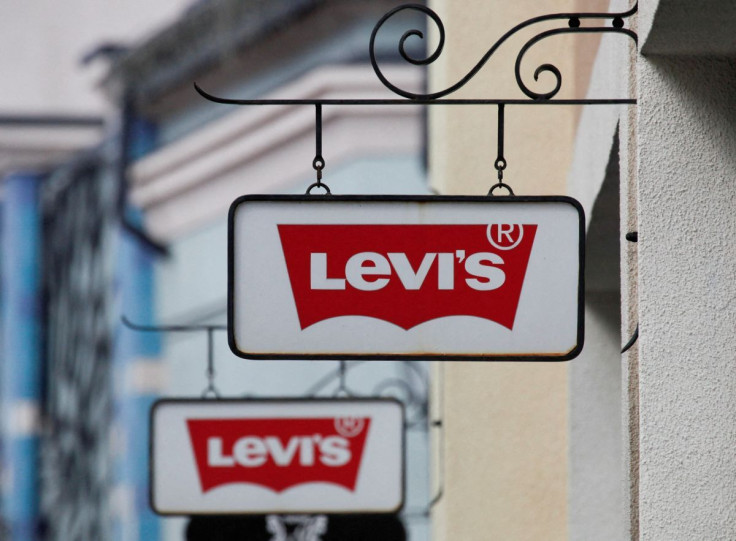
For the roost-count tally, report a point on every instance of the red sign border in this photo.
(287, 400)
(338, 199)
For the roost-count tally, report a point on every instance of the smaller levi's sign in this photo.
(422, 277)
(276, 456)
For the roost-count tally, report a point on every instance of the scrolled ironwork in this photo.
(574, 21)
(551, 68)
(411, 388)
(402, 42)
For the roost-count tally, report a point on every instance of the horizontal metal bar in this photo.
(406, 101)
(170, 328)
(433, 102)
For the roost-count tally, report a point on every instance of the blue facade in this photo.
(20, 372)
(135, 283)
(23, 378)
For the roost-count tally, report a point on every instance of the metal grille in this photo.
(78, 205)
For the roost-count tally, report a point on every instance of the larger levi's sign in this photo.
(276, 456)
(372, 277)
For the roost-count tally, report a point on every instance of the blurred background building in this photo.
(117, 181)
(117, 177)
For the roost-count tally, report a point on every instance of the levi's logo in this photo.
(278, 453)
(407, 274)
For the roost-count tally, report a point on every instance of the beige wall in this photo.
(503, 464)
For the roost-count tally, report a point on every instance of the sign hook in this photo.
(342, 388)
(319, 162)
(500, 163)
(210, 391)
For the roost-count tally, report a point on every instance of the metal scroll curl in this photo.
(573, 20)
(550, 67)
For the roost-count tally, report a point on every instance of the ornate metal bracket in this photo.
(573, 27)
(436, 98)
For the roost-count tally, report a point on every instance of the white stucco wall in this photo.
(687, 296)
(698, 28)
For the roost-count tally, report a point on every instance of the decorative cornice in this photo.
(192, 181)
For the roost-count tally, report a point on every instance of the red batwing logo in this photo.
(407, 274)
(278, 453)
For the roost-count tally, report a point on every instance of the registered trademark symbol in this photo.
(349, 427)
(505, 236)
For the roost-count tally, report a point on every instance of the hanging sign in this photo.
(277, 456)
(451, 278)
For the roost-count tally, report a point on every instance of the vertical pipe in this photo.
(137, 371)
(137, 366)
(20, 372)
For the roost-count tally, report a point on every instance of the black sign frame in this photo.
(580, 336)
(290, 400)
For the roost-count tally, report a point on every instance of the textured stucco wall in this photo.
(687, 297)
(629, 265)
(684, 27)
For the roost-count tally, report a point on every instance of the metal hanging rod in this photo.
(170, 328)
(210, 391)
(418, 101)
(438, 98)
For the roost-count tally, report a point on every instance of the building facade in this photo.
(117, 178)
(609, 446)
(129, 220)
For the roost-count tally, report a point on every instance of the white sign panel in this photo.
(277, 456)
(388, 277)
